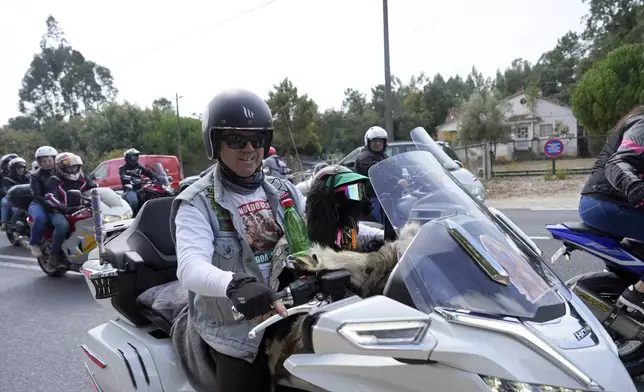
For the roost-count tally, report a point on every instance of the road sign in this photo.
(553, 148)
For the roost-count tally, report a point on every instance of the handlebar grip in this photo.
(237, 315)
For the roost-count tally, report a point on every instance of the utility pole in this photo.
(179, 136)
(389, 110)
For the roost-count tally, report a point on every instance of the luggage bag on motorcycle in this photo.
(20, 196)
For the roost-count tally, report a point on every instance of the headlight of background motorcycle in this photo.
(500, 385)
(116, 218)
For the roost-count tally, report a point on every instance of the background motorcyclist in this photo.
(4, 164)
(34, 166)
(276, 166)
(220, 267)
(130, 174)
(375, 144)
(45, 156)
(334, 205)
(613, 198)
(68, 176)
(17, 175)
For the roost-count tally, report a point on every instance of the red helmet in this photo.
(271, 151)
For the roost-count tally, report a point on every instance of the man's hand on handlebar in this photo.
(253, 299)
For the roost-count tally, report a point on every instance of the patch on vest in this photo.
(281, 187)
(223, 216)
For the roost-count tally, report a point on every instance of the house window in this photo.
(522, 133)
(546, 130)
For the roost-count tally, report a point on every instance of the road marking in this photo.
(20, 266)
(538, 237)
(554, 208)
(21, 258)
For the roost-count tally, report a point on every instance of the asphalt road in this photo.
(43, 319)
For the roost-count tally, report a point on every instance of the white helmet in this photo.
(374, 132)
(69, 165)
(46, 151)
(35, 166)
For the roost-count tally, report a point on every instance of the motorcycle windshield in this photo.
(463, 257)
(108, 197)
(158, 169)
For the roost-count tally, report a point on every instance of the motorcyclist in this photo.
(375, 145)
(34, 166)
(130, 172)
(17, 175)
(68, 176)
(4, 164)
(227, 224)
(276, 166)
(45, 156)
(613, 198)
(334, 205)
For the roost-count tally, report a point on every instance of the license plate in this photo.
(558, 254)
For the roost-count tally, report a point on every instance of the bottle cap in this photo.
(287, 203)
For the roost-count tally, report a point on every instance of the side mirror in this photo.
(74, 198)
(92, 176)
(169, 178)
(167, 171)
(459, 163)
(350, 164)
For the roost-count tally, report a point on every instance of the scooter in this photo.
(80, 239)
(623, 261)
(470, 306)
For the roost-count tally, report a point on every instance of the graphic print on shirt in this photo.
(262, 232)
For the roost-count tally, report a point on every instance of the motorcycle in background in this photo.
(623, 259)
(80, 239)
(148, 188)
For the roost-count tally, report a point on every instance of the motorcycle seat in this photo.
(162, 304)
(580, 227)
(146, 254)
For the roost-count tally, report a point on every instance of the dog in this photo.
(368, 273)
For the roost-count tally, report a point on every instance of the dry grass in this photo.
(580, 163)
(534, 186)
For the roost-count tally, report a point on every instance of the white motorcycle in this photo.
(80, 239)
(471, 306)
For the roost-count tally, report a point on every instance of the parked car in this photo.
(106, 173)
(446, 156)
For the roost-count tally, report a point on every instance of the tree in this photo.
(610, 89)
(293, 115)
(60, 82)
(483, 119)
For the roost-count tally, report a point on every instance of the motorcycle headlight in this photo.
(500, 385)
(116, 218)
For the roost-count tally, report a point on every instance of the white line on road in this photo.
(20, 258)
(554, 208)
(20, 266)
(538, 237)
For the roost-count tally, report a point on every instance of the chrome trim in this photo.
(570, 331)
(485, 261)
(514, 328)
(91, 353)
(92, 378)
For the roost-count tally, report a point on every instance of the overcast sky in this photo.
(157, 48)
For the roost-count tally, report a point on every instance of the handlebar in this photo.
(307, 292)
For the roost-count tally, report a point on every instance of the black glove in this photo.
(250, 297)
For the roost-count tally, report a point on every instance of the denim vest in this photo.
(212, 316)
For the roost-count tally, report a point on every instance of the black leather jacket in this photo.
(37, 184)
(9, 181)
(127, 172)
(618, 173)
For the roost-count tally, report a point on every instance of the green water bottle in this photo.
(296, 233)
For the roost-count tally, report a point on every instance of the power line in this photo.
(201, 31)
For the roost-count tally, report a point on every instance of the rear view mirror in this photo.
(459, 163)
(74, 198)
(169, 178)
(167, 171)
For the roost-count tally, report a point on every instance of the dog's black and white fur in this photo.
(368, 272)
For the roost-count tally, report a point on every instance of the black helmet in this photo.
(131, 155)
(337, 175)
(235, 109)
(4, 161)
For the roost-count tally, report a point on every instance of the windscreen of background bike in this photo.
(162, 176)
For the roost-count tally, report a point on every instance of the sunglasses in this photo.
(352, 191)
(237, 141)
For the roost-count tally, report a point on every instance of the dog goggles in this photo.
(352, 191)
